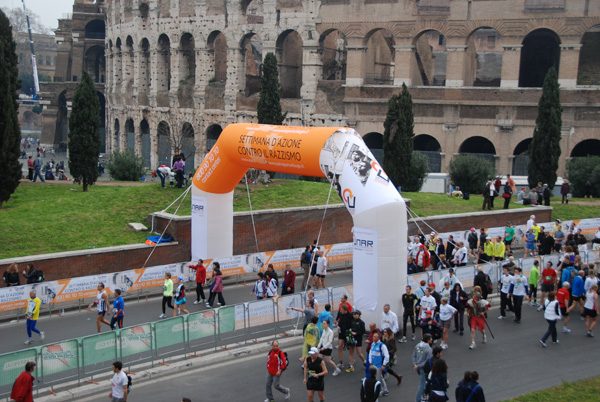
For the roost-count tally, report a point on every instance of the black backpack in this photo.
(129, 384)
(40, 276)
(285, 355)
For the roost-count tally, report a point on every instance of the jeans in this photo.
(422, 381)
(31, 327)
(551, 331)
(38, 174)
(273, 381)
(162, 178)
(518, 303)
(381, 379)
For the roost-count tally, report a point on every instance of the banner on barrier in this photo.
(136, 340)
(59, 357)
(99, 348)
(13, 364)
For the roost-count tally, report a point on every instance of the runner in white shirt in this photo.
(520, 288)
(102, 302)
(446, 314)
(590, 280)
(427, 302)
(321, 270)
(119, 383)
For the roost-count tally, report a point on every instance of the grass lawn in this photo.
(585, 390)
(60, 217)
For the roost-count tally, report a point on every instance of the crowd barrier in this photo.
(73, 291)
(82, 358)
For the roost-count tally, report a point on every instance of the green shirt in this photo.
(534, 275)
(510, 233)
(168, 288)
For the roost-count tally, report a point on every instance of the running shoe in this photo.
(350, 369)
(444, 346)
(28, 342)
(196, 302)
(403, 340)
(540, 308)
(484, 338)
(556, 342)
(472, 346)
(501, 317)
(162, 316)
(336, 372)
(566, 330)
(288, 394)
(412, 338)
(543, 343)
(43, 335)
(340, 365)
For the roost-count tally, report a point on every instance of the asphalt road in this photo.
(511, 364)
(74, 324)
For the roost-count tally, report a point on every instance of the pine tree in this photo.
(269, 105)
(398, 137)
(10, 132)
(544, 150)
(84, 133)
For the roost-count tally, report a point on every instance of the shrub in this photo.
(125, 166)
(419, 167)
(579, 170)
(470, 173)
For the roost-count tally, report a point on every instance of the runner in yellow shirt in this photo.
(32, 314)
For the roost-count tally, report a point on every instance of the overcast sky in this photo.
(48, 10)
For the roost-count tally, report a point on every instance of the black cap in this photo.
(356, 312)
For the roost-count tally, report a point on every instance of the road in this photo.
(511, 364)
(74, 324)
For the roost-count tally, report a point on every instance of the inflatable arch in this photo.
(378, 211)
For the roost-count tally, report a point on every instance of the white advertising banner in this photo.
(365, 268)
(199, 227)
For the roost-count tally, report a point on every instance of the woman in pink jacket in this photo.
(217, 286)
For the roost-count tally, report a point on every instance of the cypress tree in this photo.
(398, 137)
(269, 105)
(10, 132)
(84, 133)
(544, 150)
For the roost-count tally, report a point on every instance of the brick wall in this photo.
(276, 229)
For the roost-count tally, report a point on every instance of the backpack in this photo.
(285, 355)
(303, 258)
(129, 384)
(40, 276)
(488, 284)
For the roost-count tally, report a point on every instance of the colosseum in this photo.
(178, 71)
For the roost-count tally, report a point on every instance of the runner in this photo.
(102, 302)
(276, 364)
(325, 346)
(506, 286)
(446, 314)
(355, 338)
(167, 295)
(200, 280)
(409, 300)
(119, 383)
(534, 278)
(590, 310)
(551, 314)
(476, 313)
(548, 279)
(563, 296)
(180, 298)
(344, 327)
(32, 315)
(379, 357)
(421, 354)
(118, 310)
(519, 288)
(314, 375)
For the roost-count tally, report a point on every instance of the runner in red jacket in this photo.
(23, 388)
(200, 280)
(276, 363)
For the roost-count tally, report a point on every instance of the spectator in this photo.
(22, 390)
(565, 191)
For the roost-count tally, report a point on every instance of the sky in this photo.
(48, 10)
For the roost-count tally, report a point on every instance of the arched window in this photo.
(212, 135)
(480, 147)
(540, 51)
(379, 60)
(252, 53)
(164, 143)
(589, 66)
(586, 148)
(95, 29)
(146, 149)
(163, 64)
(431, 57)
(217, 43)
(332, 46)
(484, 58)
(520, 166)
(431, 148)
(289, 56)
